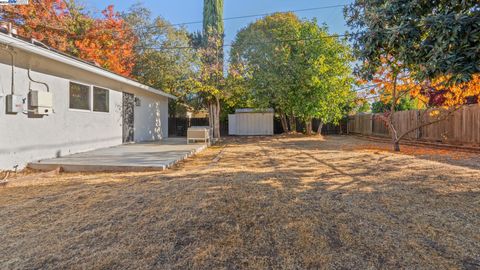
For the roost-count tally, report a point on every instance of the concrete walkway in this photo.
(156, 156)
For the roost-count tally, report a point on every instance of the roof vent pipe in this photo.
(7, 28)
(10, 29)
(4, 27)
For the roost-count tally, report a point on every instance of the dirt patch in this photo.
(281, 202)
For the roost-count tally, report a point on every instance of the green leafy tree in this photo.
(404, 104)
(361, 105)
(207, 84)
(259, 56)
(158, 63)
(295, 67)
(325, 75)
(431, 38)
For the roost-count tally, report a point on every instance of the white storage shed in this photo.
(251, 122)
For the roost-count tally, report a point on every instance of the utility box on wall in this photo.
(41, 102)
(14, 104)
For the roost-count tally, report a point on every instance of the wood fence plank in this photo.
(463, 127)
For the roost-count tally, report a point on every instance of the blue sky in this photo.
(191, 10)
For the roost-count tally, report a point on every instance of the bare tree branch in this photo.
(440, 119)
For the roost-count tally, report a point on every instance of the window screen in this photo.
(100, 100)
(79, 96)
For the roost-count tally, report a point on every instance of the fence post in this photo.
(348, 125)
(371, 123)
(419, 131)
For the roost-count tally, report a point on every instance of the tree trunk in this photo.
(172, 109)
(210, 115)
(319, 130)
(396, 146)
(216, 121)
(214, 117)
(308, 127)
(283, 119)
(293, 123)
(395, 141)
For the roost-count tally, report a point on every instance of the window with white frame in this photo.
(100, 99)
(79, 96)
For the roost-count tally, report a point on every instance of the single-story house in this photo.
(52, 104)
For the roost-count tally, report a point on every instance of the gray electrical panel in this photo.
(14, 104)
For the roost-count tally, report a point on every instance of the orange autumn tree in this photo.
(437, 99)
(65, 26)
(109, 43)
(43, 20)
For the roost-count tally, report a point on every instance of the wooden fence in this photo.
(463, 127)
(177, 127)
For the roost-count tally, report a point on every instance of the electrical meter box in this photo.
(14, 104)
(41, 102)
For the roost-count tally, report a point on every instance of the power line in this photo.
(191, 47)
(255, 43)
(148, 27)
(263, 14)
(224, 45)
(366, 87)
(251, 16)
(373, 97)
(238, 17)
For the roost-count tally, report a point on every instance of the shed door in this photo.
(254, 124)
(128, 116)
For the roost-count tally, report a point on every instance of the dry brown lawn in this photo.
(254, 203)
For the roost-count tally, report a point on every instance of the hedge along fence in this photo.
(463, 127)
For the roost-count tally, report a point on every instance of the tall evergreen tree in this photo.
(213, 17)
(213, 33)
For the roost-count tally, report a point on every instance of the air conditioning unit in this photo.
(42, 111)
(41, 102)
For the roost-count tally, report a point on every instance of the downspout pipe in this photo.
(12, 55)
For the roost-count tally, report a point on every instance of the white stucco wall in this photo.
(24, 139)
(151, 119)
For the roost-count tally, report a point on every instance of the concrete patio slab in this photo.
(155, 156)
